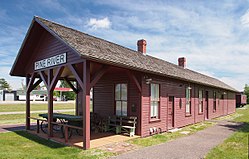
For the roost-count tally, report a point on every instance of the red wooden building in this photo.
(125, 82)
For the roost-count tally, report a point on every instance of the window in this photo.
(188, 101)
(154, 100)
(214, 101)
(91, 100)
(200, 94)
(121, 99)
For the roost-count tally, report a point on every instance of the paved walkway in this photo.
(37, 111)
(195, 146)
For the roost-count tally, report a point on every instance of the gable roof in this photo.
(103, 51)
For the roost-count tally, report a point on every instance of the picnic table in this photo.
(61, 119)
(65, 117)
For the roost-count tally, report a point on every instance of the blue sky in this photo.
(212, 35)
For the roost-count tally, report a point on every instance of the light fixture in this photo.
(224, 93)
(189, 87)
(148, 80)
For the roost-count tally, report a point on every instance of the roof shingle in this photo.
(103, 51)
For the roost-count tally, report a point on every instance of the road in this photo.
(37, 111)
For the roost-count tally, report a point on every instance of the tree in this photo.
(4, 84)
(69, 95)
(246, 92)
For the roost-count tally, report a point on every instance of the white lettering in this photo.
(52, 61)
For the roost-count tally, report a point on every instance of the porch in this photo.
(96, 140)
(103, 80)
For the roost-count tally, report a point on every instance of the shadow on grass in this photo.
(17, 127)
(244, 127)
(39, 140)
(237, 126)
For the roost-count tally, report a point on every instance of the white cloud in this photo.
(99, 23)
(245, 19)
(207, 33)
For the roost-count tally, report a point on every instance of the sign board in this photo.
(51, 61)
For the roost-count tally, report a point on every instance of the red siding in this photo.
(49, 46)
(104, 96)
(104, 101)
(176, 88)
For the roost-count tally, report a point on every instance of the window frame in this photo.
(188, 100)
(214, 101)
(120, 99)
(200, 102)
(157, 116)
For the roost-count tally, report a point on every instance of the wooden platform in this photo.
(97, 139)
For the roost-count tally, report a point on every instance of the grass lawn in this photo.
(19, 118)
(164, 137)
(236, 146)
(20, 144)
(34, 107)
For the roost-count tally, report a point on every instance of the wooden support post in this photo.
(77, 99)
(142, 99)
(134, 79)
(27, 104)
(98, 75)
(77, 75)
(44, 78)
(50, 104)
(86, 105)
(71, 85)
(66, 133)
(38, 126)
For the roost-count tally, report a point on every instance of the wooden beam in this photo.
(134, 79)
(55, 78)
(98, 75)
(86, 105)
(31, 81)
(44, 78)
(76, 75)
(27, 104)
(36, 84)
(50, 104)
(71, 85)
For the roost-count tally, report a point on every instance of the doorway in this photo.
(171, 112)
(206, 105)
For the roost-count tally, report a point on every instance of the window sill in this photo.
(188, 115)
(154, 120)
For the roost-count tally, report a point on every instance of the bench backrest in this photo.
(123, 120)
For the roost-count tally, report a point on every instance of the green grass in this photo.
(164, 137)
(19, 118)
(20, 145)
(236, 146)
(34, 107)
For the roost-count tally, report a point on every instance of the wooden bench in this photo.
(37, 123)
(120, 124)
(66, 126)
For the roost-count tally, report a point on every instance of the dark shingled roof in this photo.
(103, 51)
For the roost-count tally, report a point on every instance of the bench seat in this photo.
(120, 124)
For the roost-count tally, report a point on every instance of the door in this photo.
(222, 104)
(171, 112)
(206, 105)
(9, 96)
